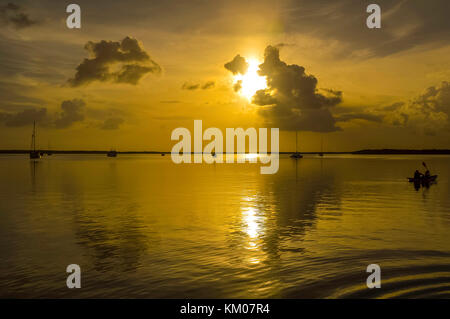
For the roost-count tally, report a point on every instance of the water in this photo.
(141, 226)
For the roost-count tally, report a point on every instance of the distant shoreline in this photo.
(360, 152)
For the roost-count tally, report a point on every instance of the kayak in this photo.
(423, 179)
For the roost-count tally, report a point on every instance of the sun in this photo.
(251, 81)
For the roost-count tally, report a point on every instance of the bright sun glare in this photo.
(251, 80)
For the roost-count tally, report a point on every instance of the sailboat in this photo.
(33, 153)
(321, 146)
(296, 155)
(112, 153)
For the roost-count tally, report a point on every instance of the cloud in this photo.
(112, 123)
(359, 116)
(237, 65)
(12, 14)
(292, 100)
(132, 61)
(72, 112)
(406, 24)
(194, 86)
(237, 86)
(429, 112)
(208, 85)
(188, 86)
(24, 118)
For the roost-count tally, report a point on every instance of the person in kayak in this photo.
(418, 175)
(427, 174)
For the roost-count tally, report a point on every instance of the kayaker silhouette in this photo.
(418, 175)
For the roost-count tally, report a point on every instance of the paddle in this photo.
(425, 165)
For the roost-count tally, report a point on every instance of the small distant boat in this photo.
(112, 153)
(163, 154)
(296, 155)
(423, 179)
(321, 147)
(33, 153)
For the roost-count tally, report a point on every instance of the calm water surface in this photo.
(141, 226)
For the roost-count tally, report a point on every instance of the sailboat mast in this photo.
(33, 138)
(321, 144)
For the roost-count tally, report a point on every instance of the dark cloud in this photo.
(72, 112)
(359, 116)
(237, 65)
(13, 14)
(24, 118)
(132, 73)
(112, 123)
(283, 45)
(195, 86)
(237, 86)
(189, 86)
(405, 24)
(393, 106)
(128, 55)
(429, 112)
(208, 85)
(339, 24)
(292, 100)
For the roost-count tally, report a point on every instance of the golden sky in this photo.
(138, 69)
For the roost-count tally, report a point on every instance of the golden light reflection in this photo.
(251, 81)
(251, 156)
(254, 228)
(251, 221)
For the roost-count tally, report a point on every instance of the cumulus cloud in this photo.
(128, 56)
(292, 100)
(429, 112)
(25, 117)
(112, 123)
(14, 15)
(72, 112)
(194, 86)
(237, 66)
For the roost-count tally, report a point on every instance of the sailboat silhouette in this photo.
(33, 153)
(296, 155)
(321, 146)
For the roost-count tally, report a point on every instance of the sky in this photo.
(136, 70)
